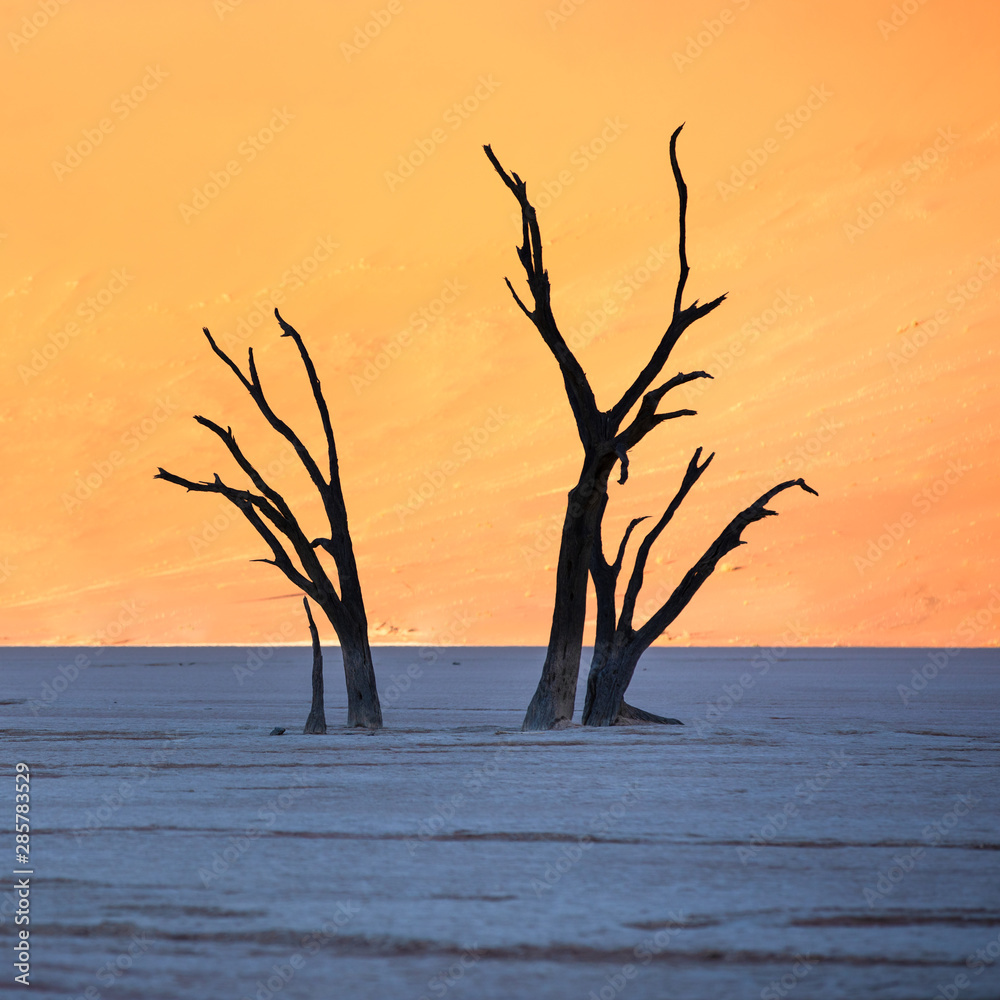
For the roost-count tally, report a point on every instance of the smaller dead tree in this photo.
(316, 722)
(270, 516)
(618, 644)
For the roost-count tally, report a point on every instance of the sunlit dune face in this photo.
(198, 164)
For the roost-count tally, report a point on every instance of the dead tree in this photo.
(270, 516)
(316, 721)
(618, 644)
(606, 438)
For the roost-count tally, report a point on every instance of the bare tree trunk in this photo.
(605, 442)
(363, 709)
(605, 699)
(605, 576)
(554, 698)
(606, 695)
(316, 722)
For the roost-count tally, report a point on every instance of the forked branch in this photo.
(317, 391)
(256, 391)
(682, 317)
(728, 539)
(691, 475)
(578, 390)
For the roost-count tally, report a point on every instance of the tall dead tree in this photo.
(606, 435)
(618, 644)
(270, 516)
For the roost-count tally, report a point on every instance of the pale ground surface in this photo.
(436, 835)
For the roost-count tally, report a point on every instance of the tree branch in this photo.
(229, 439)
(616, 566)
(281, 558)
(578, 390)
(728, 540)
(647, 418)
(317, 391)
(253, 386)
(681, 318)
(228, 360)
(682, 202)
(249, 504)
(691, 475)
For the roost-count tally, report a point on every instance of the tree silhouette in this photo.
(271, 516)
(316, 721)
(607, 437)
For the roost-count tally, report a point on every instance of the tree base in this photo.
(629, 715)
(315, 725)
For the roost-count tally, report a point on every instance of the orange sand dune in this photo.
(174, 166)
